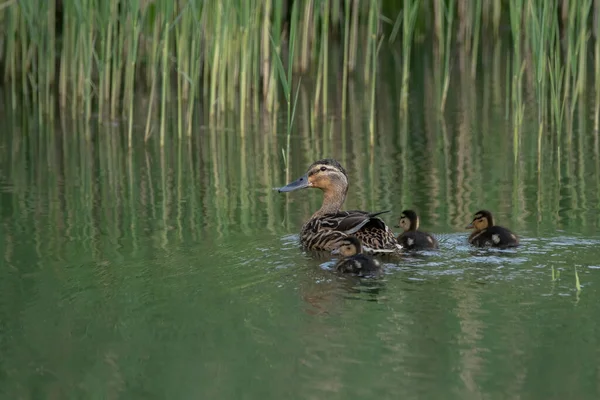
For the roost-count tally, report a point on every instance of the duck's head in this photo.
(409, 221)
(327, 175)
(482, 220)
(349, 247)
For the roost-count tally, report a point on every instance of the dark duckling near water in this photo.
(353, 261)
(330, 225)
(412, 238)
(487, 234)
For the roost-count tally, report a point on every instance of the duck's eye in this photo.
(323, 168)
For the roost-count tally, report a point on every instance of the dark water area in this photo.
(177, 272)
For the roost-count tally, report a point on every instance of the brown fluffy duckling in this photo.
(353, 261)
(412, 238)
(487, 234)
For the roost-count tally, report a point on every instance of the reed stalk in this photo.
(153, 76)
(24, 58)
(409, 17)
(195, 64)
(166, 11)
(371, 41)
(216, 55)
(556, 72)
(541, 30)
(518, 68)
(354, 36)
(244, 67)
(444, 52)
(286, 80)
(372, 113)
(51, 52)
(325, 49)
(182, 33)
(596, 34)
(133, 41)
(10, 69)
(266, 52)
(477, 17)
(346, 67)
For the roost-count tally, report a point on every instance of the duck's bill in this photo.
(470, 226)
(299, 183)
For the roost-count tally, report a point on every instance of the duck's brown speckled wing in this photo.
(351, 222)
(325, 232)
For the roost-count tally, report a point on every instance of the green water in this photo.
(177, 273)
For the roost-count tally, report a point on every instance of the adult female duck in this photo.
(328, 226)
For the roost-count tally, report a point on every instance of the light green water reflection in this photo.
(176, 273)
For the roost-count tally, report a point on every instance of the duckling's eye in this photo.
(323, 168)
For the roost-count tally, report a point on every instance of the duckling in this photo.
(486, 234)
(330, 225)
(412, 238)
(354, 261)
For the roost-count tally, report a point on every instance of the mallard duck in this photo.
(353, 261)
(486, 234)
(412, 238)
(328, 226)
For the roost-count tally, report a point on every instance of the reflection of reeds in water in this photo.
(217, 182)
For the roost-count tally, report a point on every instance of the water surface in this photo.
(177, 272)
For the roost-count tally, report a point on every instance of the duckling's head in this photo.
(327, 175)
(349, 247)
(409, 221)
(482, 220)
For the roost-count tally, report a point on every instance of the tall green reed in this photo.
(542, 29)
(596, 35)
(346, 61)
(518, 68)
(408, 21)
(444, 17)
(132, 38)
(286, 80)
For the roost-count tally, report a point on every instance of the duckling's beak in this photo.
(470, 226)
(299, 183)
